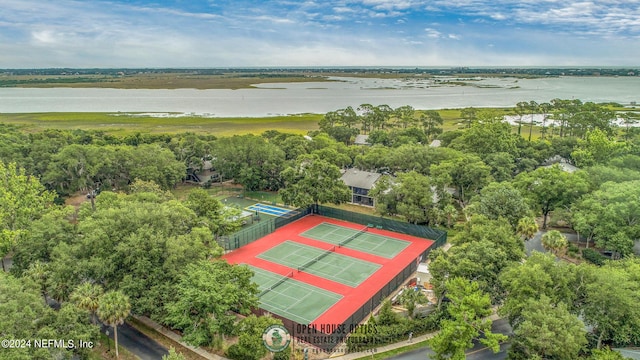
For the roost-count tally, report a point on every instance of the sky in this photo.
(316, 33)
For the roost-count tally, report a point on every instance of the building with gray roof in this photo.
(360, 183)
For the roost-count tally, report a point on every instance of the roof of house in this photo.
(423, 268)
(207, 165)
(556, 159)
(435, 143)
(564, 164)
(360, 179)
(362, 140)
(566, 167)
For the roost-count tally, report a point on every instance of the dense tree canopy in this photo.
(498, 200)
(540, 275)
(250, 345)
(250, 161)
(549, 188)
(135, 243)
(547, 331)
(22, 200)
(138, 243)
(469, 309)
(467, 174)
(408, 195)
(611, 302)
(313, 181)
(207, 292)
(24, 315)
(610, 216)
(488, 135)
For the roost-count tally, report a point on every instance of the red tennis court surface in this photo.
(353, 298)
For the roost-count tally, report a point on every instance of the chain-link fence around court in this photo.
(265, 227)
(260, 229)
(255, 232)
(425, 232)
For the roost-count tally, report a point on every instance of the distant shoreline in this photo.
(244, 78)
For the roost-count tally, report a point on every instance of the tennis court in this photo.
(268, 209)
(324, 263)
(336, 284)
(358, 240)
(290, 298)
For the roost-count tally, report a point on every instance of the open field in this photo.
(127, 124)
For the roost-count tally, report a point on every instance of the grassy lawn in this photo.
(394, 352)
(355, 208)
(218, 191)
(264, 196)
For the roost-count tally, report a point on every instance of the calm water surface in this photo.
(320, 97)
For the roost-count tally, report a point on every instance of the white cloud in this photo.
(46, 37)
(498, 16)
(40, 33)
(433, 33)
(343, 9)
(272, 19)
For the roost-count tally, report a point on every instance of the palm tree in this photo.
(430, 120)
(87, 296)
(469, 115)
(544, 108)
(527, 227)
(173, 355)
(410, 297)
(554, 241)
(628, 119)
(38, 271)
(533, 108)
(113, 308)
(521, 110)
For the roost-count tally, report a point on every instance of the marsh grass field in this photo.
(124, 124)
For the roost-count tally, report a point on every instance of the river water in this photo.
(320, 97)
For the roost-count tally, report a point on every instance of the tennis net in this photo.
(276, 284)
(316, 259)
(347, 240)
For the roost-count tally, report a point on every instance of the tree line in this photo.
(486, 181)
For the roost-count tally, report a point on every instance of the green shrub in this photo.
(363, 338)
(593, 256)
(572, 250)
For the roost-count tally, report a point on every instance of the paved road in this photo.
(129, 338)
(478, 352)
(136, 342)
(535, 244)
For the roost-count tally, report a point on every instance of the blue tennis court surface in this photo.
(268, 209)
